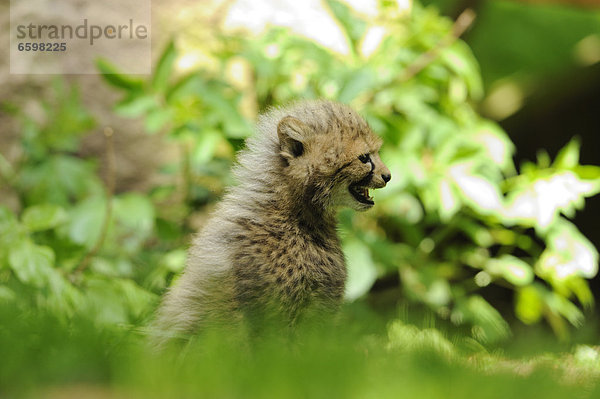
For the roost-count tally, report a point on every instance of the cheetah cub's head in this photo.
(331, 152)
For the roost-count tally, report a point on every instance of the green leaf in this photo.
(8, 221)
(137, 299)
(568, 156)
(112, 76)
(185, 86)
(529, 306)
(86, 219)
(587, 172)
(224, 110)
(477, 191)
(358, 82)
(117, 301)
(43, 217)
(134, 215)
(136, 105)
(461, 61)
(169, 263)
(489, 324)
(31, 263)
(407, 337)
(362, 272)
(157, 119)
(539, 202)
(581, 289)
(205, 147)
(568, 253)
(174, 261)
(496, 144)
(62, 298)
(104, 301)
(58, 180)
(135, 212)
(438, 293)
(562, 306)
(6, 294)
(449, 203)
(164, 67)
(354, 28)
(512, 269)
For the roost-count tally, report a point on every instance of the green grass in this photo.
(46, 358)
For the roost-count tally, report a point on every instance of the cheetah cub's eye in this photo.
(364, 158)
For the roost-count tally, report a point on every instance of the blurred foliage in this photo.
(457, 217)
(532, 42)
(552, 48)
(80, 361)
(45, 244)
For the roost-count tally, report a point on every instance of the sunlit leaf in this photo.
(164, 67)
(581, 289)
(157, 119)
(539, 203)
(400, 204)
(174, 261)
(512, 269)
(588, 172)
(8, 222)
(43, 217)
(529, 306)
(568, 254)
(85, 221)
(63, 298)
(135, 214)
(460, 59)
(438, 293)
(185, 86)
(356, 84)
(31, 263)
(409, 338)
(136, 105)
(105, 302)
(568, 156)
(58, 179)
(449, 203)
(361, 269)
(113, 76)
(354, 27)
(497, 145)
(205, 147)
(476, 191)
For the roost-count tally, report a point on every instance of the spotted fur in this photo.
(270, 251)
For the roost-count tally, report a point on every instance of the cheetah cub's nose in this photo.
(387, 177)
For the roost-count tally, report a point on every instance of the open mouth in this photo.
(361, 194)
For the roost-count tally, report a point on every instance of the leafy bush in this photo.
(71, 247)
(457, 217)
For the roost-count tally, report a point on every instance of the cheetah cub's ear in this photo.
(291, 133)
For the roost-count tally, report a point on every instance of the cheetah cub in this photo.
(270, 252)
